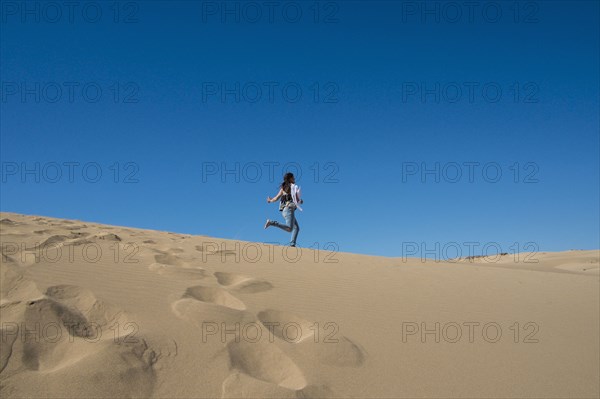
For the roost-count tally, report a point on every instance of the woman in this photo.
(289, 196)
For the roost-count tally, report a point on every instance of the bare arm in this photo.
(276, 198)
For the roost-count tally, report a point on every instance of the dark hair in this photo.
(287, 181)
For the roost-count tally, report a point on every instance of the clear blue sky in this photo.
(367, 120)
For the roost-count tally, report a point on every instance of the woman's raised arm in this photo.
(279, 194)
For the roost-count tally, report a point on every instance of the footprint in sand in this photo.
(344, 353)
(287, 326)
(78, 234)
(83, 226)
(169, 264)
(77, 238)
(198, 313)
(168, 259)
(177, 237)
(330, 347)
(213, 251)
(215, 296)
(200, 304)
(86, 305)
(266, 362)
(54, 240)
(58, 350)
(108, 237)
(73, 349)
(73, 320)
(240, 385)
(241, 283)
(8, 222)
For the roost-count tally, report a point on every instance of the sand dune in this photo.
(90, 310)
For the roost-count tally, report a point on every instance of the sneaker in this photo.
(267, 223)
